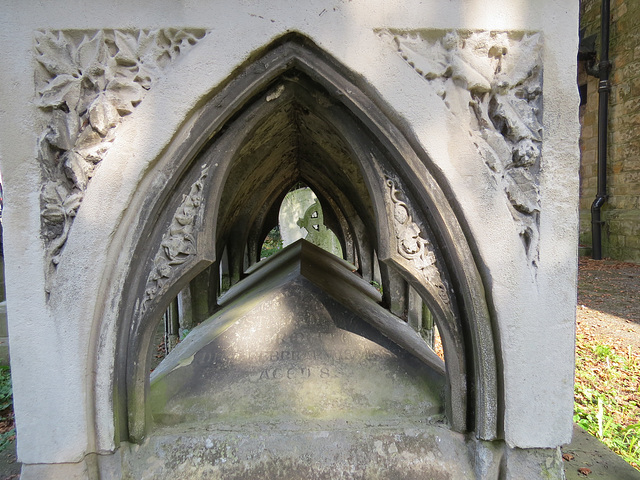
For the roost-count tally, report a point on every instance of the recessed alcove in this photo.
(302, 352)
(301, 316)
(303, 120)
(300, 216)
(295, 142)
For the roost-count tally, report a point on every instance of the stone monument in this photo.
(305, 373)
(146, 151)
(301, 216)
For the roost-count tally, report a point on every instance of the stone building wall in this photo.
(621, 212)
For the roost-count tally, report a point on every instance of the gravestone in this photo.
(301, 216)
(294, 205)
(301, 375)
(317, 231)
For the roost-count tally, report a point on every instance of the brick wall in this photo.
(621, 212)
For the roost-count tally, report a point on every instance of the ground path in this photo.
(609, 301)
(608, 313)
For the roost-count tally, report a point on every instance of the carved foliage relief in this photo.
(86, 83)
(491, 82)
(412, 244)
(177, 245)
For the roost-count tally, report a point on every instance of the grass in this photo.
(607, 396)
(7, 426)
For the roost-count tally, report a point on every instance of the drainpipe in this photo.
(604, 88)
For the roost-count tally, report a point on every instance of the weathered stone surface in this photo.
(533, 463)
(293, 206)
(297, 357)
(87, 81)
(286, 380)
(67, 471)
(301, 216)
(68, 352)
(351, 452)
(286, 353)
(492, 83)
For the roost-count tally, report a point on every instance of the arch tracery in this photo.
(294, 114)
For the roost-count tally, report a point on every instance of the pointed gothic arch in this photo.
(219, 182)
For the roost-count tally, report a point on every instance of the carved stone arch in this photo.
(186, 222)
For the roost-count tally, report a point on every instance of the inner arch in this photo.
(303, 119)
(294, 143)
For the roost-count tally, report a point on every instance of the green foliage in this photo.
(6, 438)
(8, 432)
(606, 397)
(376, 285)
(225, 283)
(6, 391)
(604, 351)
(272, 244)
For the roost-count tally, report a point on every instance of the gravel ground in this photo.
(609, 301)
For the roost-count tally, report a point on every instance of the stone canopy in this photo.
(146, 151)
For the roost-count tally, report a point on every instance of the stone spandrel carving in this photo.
(86, 82)
(492, 82)
(177, 244)
(412, 245)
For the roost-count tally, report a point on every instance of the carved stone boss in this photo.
(86, 82)
(411, 244)
(492, 83)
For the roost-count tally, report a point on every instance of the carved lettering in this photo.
(293, 373)
(294, 361)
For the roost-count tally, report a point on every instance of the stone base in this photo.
(92, 467)
(428, 452)
(55, 471)
(352, 452)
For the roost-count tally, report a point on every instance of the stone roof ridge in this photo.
(306, 259)
(327, 272)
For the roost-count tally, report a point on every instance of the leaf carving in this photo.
(492, 82)
(54, 55)
(177, 245)
(412, 245)
(85, 84)
(77, 169)
(62, 90)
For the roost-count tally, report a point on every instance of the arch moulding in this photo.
(175, 221)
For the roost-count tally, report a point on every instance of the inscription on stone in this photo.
(297, 357)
